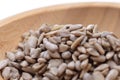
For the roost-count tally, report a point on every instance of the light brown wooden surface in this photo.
(105, 15)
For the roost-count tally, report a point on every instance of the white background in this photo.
(12, 7)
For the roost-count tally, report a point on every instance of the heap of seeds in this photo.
(64, 52)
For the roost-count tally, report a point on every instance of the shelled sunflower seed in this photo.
(64, 52)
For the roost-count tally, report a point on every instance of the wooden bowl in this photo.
(105, 15)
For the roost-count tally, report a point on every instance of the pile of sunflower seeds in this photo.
(64, 52)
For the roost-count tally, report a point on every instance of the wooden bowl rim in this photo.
(56, 7)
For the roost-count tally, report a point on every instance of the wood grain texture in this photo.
(105, 15)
